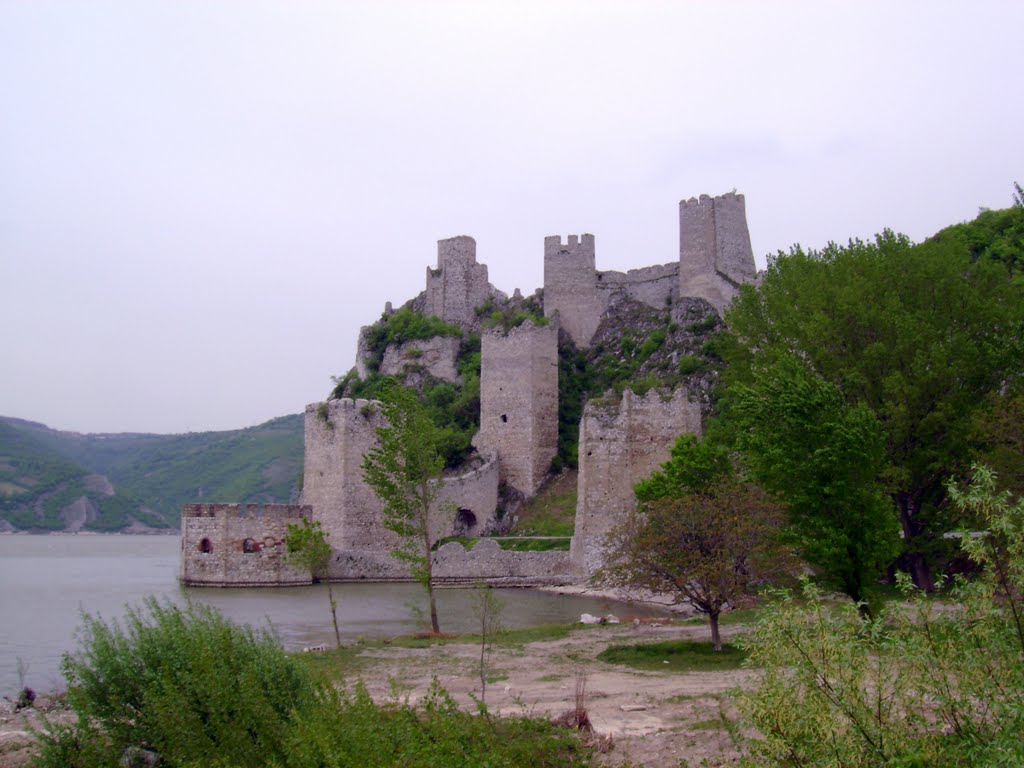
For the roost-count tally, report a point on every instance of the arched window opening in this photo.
(465, 522)
(249, 546)
(206, 546)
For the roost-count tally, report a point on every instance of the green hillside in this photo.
(43, 471)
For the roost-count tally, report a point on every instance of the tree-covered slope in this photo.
(141, 477)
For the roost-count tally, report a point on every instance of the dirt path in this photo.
(656, 719)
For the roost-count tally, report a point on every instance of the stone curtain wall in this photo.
(620, 443)
(654, 286)
(519, 402)
(459, 285)
(715, 257)
(468, 503)
(238, 544)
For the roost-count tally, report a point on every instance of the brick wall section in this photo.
(621, 443)
(435, 356)
(519, 402)
(458, 285)
(715, 257)
(224, 560)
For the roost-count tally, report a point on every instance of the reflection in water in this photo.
(47, 581)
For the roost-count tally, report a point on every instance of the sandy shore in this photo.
(655, 719)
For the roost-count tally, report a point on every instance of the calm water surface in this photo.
(47, 581)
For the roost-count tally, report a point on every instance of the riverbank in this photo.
(655, 718)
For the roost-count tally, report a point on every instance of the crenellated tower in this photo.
(570, 286)
(715, 257)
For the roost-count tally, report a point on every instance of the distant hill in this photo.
(52, 480)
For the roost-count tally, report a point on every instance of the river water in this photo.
(46, 582)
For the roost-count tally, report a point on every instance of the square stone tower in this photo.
(715, 257)
(570, 286)
(519, 402)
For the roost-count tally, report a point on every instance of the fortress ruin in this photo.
(621, 440)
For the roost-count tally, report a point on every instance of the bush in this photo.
(916, 686)
(186, 687)
(185, 683)
(351, 730)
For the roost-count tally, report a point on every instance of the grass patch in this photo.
(675, 656)
(552, 512)
(526, 544)
(335, 663)
(714, 724)
(738, 616)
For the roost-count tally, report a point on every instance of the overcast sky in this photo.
(201, 202)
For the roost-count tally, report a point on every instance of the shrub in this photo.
(185, 683)
(915, 686)
(351, 730)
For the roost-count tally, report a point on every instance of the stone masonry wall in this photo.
(435, 356)
(238, 545)
(621, 443)
(519, 402)
(715, 257)
(458, 285)
(338, 435)
(654, 286)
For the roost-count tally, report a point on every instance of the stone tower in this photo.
(715, 257)
(459, 285)
(338, 434)
(620, 444)
(519, 402)
(570, 286)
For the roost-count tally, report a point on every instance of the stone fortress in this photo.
(620, 441)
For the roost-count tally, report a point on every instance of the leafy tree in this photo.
(308, 550)
(708, 548)
(404, 470)
(919, 335)
(693, 466)
(913, 687)
(823, 458)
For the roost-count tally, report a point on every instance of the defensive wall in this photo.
(519, 402)
(622, 442)
(238, 544)
(715, 258)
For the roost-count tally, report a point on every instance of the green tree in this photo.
(709, 548)
(823, 458)
(915, 686)
(404, 470)
(307, 549)
(919, 335)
